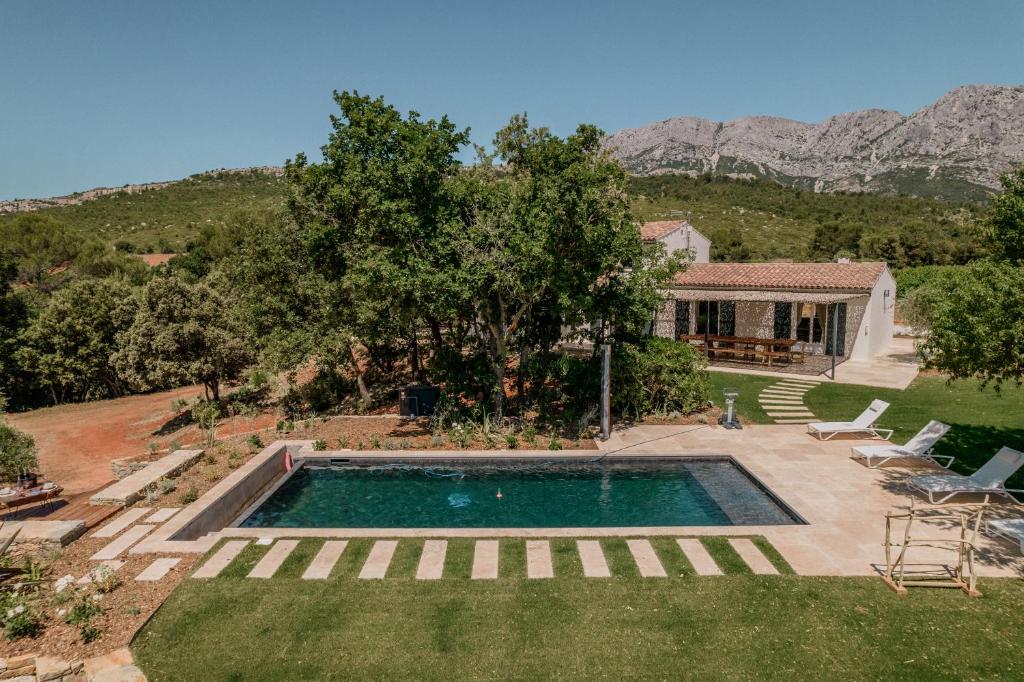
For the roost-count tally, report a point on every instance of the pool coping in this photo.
(166, 539)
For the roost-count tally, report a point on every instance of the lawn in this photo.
(982, 420)
(749, 387)
(626, 627)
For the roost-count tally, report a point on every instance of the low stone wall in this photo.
(117, 666)
(42, 536)
(133, 488)
(126, 466)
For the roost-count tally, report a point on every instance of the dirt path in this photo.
(77, 442)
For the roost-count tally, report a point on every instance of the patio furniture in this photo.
(22, 498)
(918, 447)
(865, 423)
(743, 347)
(1009, 529)
(990, 478)
(899, 574)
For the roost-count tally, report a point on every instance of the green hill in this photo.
(746, 220)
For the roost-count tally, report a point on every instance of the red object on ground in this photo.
(287, 461)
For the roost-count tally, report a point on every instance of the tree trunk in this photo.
(214, 385)
(436, 338)
(414, 357)
(360, 369)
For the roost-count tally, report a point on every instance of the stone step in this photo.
(698, 556)
(809, 415)
(323, 563)
(485, 560)
(162, 514)
(221, 559)
(592, 558)
(431, 565)
(753, 557)
(126, 519)
(267, 566)
(795, 421)
(782, 391)
(122, 543)
(158, 569)
(376, 566)
(538, 559)
(786, 408)
(646, 559)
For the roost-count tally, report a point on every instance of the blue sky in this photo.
(105, 93)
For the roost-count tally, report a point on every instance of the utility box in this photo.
(418, 400)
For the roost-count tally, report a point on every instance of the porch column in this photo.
(665, 320)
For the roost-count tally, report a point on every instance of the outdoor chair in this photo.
(865, 423)
(918, 447)
(1010, 529)
(990, 478)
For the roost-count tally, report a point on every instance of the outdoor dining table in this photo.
(23, 497)
(745, 345)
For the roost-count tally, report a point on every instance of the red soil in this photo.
(77, 442)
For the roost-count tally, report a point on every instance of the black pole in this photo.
(606, 391)
(834, 321)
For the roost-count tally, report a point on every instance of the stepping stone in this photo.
(795, 384)
(798, 392)
(272, 560)
(646, 560)
(110, 564)
(592, 558)
(323, 563)
(749, 552)
(431, 565)
(800, 413)
(126, 519)
(787, 408)
(220, 560)
(376, 566)
(794, 421)
(161, 515)
(538, 559)
(698, 556)
(780, 401)
(485, 560)
(158, 569)
(126, 540)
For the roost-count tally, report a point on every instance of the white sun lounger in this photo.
(991, 478)
(862, 424)
(1011, 529)
(918, 447)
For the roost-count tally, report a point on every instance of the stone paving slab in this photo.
(431, 566)
(538, 559)
(754, 558)
(132, 488)
(646, 559)
(122, 543)
(221, 559)
(592, 558)
(162, 514)
(699, 557)
(158, 569)
(376, 566)
(126, 519)
(485, 560)
(267, 566)
(323, 563)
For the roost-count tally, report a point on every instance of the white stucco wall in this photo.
(874, 334)
(688, 239)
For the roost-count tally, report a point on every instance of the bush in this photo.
(190, 495)
(17, 452)
(910, 279)
(659, 375)
(320, 444)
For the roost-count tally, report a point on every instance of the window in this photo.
(811, 326)
(717, 318)
(682, 318)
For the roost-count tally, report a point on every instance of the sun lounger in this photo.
(1011, 529)
(918, 447)
(862, 424)
(991, 478)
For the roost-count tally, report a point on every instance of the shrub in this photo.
(910, 279)
(530, 436)
(555, 443)
(106, 579)
(17, 452)
(659, 375)
(320, 444)
(511, 441)
(190, 495)
(21, 623)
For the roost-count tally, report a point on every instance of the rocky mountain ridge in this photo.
(955, 148)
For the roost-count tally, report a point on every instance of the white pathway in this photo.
(539, 563)
(784, 401)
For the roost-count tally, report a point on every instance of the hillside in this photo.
(163, 216)
(955, 148)
(747, 220)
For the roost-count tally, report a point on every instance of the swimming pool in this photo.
(609, 492)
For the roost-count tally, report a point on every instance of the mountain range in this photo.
(955, 148)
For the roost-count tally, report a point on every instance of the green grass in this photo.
(749, 386)
(982, 420)
(720, 628)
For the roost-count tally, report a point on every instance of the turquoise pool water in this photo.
(521, 494)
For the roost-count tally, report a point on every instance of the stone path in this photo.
(323, 562)
(158, 569)
(123, 542)
(486, 559)
(162, 514)
(784, 401)
(121, 522)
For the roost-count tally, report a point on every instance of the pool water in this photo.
(520, 494)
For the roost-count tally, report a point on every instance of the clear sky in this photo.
(105, 93)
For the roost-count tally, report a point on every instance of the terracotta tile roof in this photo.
(659, 228)
(781, 275)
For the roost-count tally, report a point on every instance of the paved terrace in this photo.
(843, 501)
